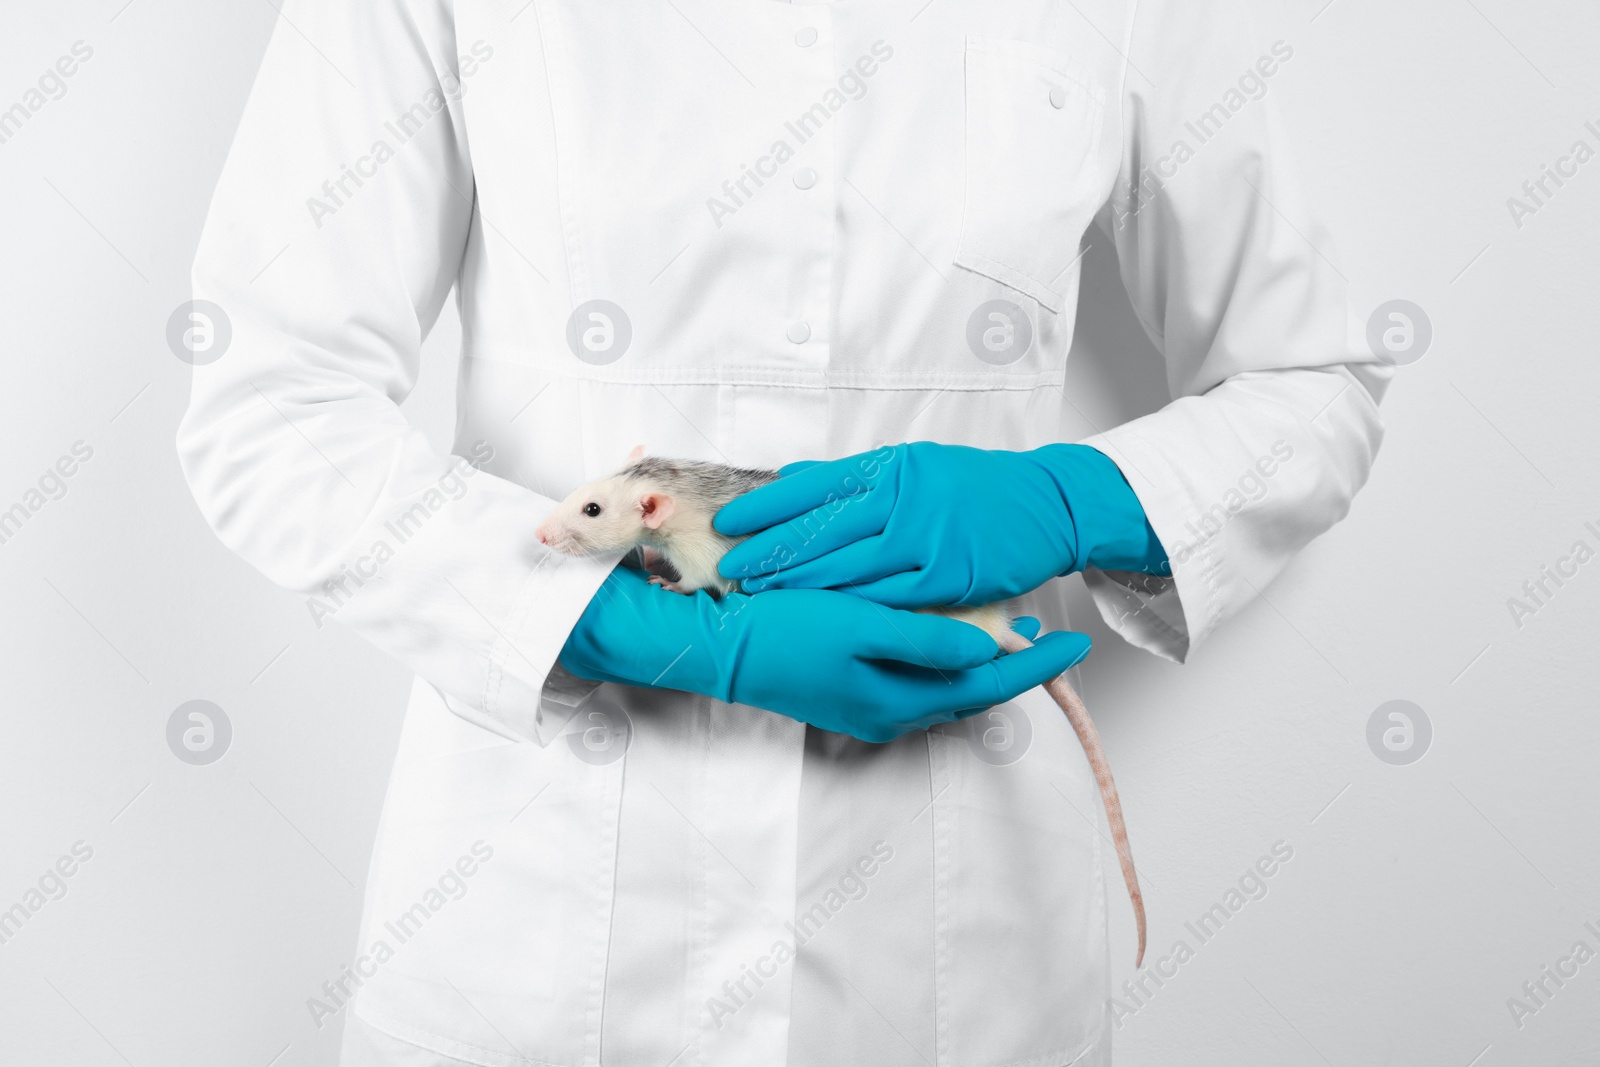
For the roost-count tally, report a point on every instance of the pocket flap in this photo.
(1033, 179)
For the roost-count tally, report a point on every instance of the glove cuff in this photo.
(634, 634)
(1112, 532)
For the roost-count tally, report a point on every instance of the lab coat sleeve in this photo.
(1274, 425)
(334, 237)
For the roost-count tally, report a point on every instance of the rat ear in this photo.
(637, 454)
(656, 508)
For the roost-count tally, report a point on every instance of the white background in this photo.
(1419, 898)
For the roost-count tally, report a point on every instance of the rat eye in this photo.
(591, 509)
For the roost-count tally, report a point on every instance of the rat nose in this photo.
(544, 538)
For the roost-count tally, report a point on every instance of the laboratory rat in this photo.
(663, 507)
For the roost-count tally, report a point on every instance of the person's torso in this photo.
(759, 232)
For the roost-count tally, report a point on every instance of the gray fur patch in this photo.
(707, 485)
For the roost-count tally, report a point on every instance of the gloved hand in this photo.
(922, 525)
(828, 659)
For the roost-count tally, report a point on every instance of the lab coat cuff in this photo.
(527, 694)
(1166, 616)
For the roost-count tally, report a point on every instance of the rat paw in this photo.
(672, 586)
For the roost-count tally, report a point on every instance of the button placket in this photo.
(812, 196)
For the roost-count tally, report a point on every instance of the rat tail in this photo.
(1068, 700)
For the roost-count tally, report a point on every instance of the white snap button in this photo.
(1058, 97)
(806, 37)
(799, 332)
(805, 178)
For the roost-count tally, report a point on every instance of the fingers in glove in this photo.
(845, 568)
(1010, 676)
(791, 496)
(932, 644)
(812, 535)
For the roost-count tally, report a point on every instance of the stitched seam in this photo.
(734, 375)
(1052, 1058)
(611, 788)
(1008, 275)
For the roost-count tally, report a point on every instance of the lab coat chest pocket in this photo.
(1033, 173)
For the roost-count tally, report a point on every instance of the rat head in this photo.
(620, 512)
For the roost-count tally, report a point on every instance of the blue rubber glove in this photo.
(926, 524)
(829, 659)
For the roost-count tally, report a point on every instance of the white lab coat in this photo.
(647, 877)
